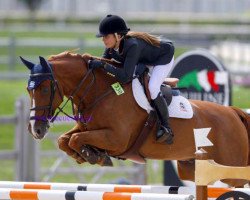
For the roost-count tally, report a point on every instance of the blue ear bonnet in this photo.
(38, 74)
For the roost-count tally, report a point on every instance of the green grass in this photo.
(45, 34)
(7, 170)
(6, 137)
(241, 97)
(9, 92)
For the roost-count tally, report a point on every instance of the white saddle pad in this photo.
(180, 107)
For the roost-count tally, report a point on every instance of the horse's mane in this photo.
(86, 57)
(65, 55)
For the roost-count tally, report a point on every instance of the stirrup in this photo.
(164, 134)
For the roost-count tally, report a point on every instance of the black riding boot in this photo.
(165, 132)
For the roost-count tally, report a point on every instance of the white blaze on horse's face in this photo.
(38, 127)
(33, 114)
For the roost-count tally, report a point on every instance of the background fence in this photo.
(139, 7)
(12, 43)
(22, 142)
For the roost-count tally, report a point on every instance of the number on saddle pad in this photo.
(117, 88)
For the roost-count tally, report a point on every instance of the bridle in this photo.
(55, 86)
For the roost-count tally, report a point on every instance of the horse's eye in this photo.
(45, 90)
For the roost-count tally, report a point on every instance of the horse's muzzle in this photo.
(38, 129)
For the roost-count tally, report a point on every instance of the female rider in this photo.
(131, 49)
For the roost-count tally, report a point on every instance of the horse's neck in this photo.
(70, 74)
(102, 84)
(104, 80)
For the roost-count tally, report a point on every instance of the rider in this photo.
(133, 49)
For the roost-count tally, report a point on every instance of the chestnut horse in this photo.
(114, 122)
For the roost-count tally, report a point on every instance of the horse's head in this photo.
(45, 96)
(65, 74)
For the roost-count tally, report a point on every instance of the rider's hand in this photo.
(94, 64)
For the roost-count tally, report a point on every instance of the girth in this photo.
(133, 151)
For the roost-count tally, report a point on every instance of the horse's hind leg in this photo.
(186, 169)
(231, 149)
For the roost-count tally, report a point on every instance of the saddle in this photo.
(167, 91)
(167, 87)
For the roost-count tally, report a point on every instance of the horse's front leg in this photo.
(95, 156)
(63, 143)
(86, 144)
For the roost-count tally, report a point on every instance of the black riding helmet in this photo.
(112, 24)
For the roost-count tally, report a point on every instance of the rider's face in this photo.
(110, 41)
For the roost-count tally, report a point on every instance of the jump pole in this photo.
(98, 187)
(24, 194)
(212, 192)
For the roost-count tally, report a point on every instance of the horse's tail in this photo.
(245, 118)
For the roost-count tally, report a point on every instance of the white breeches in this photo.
(158, 75)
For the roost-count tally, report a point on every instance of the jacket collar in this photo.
(120, 49)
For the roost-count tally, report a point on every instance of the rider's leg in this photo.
(165, 132)
(159, 73)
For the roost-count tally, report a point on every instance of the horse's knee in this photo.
(63, 142)
(74, 141)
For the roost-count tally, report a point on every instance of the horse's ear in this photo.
(44, 63)
(27, 63)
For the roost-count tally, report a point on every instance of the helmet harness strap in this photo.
(117, 39)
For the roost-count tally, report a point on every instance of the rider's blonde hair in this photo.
(151, 39)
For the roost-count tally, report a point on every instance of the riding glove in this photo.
(119, 73)
(94, 64)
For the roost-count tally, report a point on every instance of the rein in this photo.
(70, 98)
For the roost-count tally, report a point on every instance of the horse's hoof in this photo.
(80, 160)
(106, 161)
(89, 155)
(94, 156)
(92, 160)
